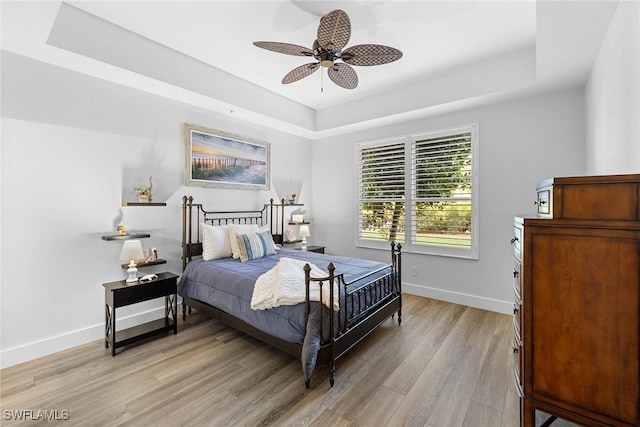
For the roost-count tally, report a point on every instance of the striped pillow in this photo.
(255, 245)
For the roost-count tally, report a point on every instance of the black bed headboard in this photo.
(194, 214)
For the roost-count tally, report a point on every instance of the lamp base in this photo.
(304, 244)
(132, 271)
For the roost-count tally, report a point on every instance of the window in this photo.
(382, 192)
(420, 191)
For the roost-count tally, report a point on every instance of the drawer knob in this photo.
(513, 240)
(515, 309)
(515, 273)
(541, 202)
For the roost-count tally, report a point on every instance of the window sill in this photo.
(413, 249)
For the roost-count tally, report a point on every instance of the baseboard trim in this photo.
(504, 307)
(47, 346)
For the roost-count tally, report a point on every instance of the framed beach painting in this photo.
(218, 159)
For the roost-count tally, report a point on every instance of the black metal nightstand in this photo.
(120, 293)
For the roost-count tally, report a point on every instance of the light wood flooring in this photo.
(446, 365)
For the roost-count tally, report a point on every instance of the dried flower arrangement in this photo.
(145, 193)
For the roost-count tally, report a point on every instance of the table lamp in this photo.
(131, 251)
(304, 233)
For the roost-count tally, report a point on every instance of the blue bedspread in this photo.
(227, 284)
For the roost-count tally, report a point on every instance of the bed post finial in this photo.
(396, 255)
(393, 252)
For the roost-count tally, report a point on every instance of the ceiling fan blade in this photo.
(300, 72)
(334, 30)
(286, 48)
(343, 75)
(370, 54)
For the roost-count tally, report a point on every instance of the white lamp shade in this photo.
(304, 231)
(131, 250)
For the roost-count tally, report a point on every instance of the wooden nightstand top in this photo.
(124, 284)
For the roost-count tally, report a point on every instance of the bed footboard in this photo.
(362, 310)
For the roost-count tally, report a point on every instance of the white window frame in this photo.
(470, 253)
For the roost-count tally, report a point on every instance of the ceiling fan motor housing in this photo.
(326, 57)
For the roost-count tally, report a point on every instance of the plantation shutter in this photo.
(381, 192)
(441, 191)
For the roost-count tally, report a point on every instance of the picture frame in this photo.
(217, 159)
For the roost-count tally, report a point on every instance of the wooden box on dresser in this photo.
(577, 296)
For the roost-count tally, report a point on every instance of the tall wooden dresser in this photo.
(577, 296)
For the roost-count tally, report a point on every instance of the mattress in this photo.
(227, 284)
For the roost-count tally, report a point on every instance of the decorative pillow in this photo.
(234, 230)
(267, 228)
(215, 242)
(255, 245)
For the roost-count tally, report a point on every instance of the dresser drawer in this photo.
(544, 202)
(517, 330)
(517, 367)
(517, 282)
(516, 241)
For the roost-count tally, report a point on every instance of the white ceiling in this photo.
(454, 53)
(432, 36)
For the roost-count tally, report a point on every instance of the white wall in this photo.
(613, 97)
(521, 142)
(64, 178)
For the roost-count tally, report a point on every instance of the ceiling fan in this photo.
(334, 32)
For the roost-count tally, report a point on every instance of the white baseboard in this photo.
(34, 350)
(37, 349)
(505, 307)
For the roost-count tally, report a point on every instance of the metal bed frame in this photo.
(370, 304)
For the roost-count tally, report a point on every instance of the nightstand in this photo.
(312, 248)
(120, 294)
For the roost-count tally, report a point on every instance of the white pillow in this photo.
(234, 230)
(215, 242)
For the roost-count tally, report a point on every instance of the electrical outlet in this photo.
(414, 271)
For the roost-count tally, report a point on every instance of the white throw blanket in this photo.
(284, 285)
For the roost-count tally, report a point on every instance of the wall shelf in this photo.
(147, 264)
(127, 237)
(143, 204)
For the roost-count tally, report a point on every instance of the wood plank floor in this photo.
(446, 365)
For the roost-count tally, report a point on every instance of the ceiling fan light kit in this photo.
(333, 35)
